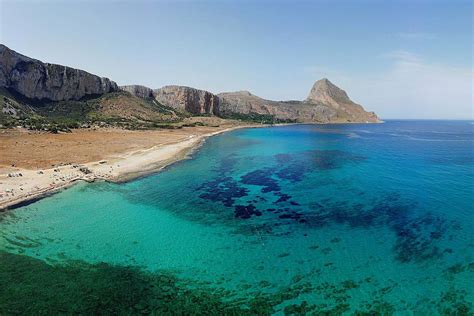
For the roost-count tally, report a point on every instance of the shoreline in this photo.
(117, 169)
(36, 184)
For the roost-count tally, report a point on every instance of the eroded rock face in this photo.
(188, 99)
(325, 92)
(139, 91)
(37, 80)
(326, 103)
(245, 103)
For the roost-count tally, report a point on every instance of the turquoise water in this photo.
(352, 216)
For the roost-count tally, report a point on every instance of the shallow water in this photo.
(347, 217)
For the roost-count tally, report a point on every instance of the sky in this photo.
(401, 59)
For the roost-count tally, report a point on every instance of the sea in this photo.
(343, 219)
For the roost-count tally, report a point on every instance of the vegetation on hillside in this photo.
(117, 109)
(256, 118)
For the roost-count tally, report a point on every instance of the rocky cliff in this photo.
(37, 80)
(188, 99)
(325, 103)
(139, 91)
(244, 102)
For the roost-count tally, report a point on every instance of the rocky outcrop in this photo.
(188, 99)
(37, 80)
(139, 91)
(244, 102)
(325, 103)
(34, 79)
(326, 93)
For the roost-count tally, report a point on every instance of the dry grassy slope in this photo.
(125, 106)
(108, 107)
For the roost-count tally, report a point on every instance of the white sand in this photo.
(37, 183)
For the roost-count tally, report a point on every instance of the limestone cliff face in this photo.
(325, 92)
(37, 80)
(188, 99)
(326, 103)
(245, 103)
(139, 91)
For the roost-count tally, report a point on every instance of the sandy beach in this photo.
(33, 165)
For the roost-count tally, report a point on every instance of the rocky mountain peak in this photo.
(324, 91)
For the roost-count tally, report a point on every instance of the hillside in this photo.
(119, 109)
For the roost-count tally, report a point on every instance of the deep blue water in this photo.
(359, 214)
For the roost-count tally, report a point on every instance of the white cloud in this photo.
(412, 88)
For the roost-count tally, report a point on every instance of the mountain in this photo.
(325, 92)
(326, 103)
(243, 102)
(35, 91)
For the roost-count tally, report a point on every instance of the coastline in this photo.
(26, 185)
(35, 184)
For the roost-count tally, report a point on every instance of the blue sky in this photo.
(402, 59)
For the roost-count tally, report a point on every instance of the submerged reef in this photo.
(31, 286)
(419, 234)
